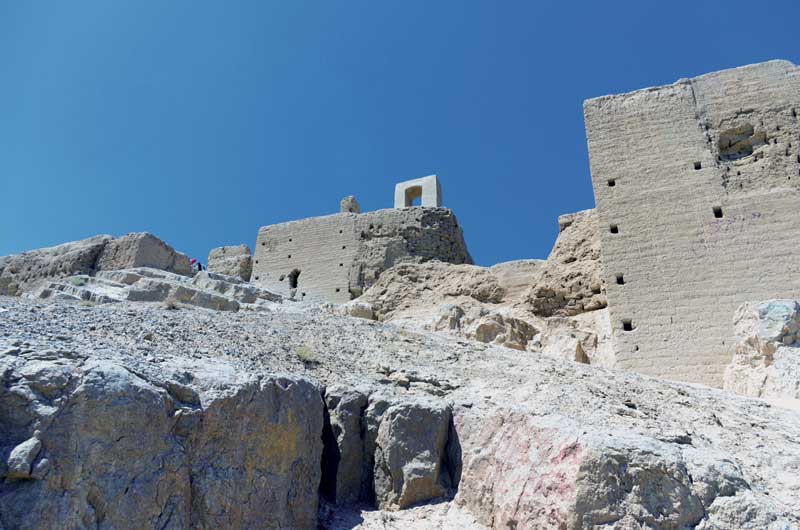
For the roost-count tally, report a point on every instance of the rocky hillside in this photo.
(153, 415)
(556, 306)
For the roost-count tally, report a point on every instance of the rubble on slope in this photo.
(235, 404)
(555, 306)
(205, 289)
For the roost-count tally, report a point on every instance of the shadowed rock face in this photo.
(121, 445)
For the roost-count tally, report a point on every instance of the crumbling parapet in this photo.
(349, 205)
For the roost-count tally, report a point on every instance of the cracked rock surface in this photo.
(132, 415)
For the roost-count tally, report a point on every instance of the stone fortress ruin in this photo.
(139, 392)
(697, 186)
(697, 189)
(336, 257)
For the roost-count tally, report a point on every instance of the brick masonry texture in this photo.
(697, 186)
(336, 257)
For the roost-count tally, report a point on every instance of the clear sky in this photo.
(201, 121)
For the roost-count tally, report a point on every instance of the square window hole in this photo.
(290, 256)
(627, 325)
(698, 165)
(337, 289)
(612, 183)
(717, 212)
(614, 229)
(620, 279)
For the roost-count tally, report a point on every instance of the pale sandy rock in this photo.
(349, 205)
(358, 309)
(142, 249)
(20, 461)
(766, 362)
(571, 280)
(489, 305)
(233, 261)
(26, 272)
(22, 272)
(206, 289)
(517, 277)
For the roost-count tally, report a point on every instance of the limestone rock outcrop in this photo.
(142, 250)
(557, 306)
(766, 362)
(24, 272)
(571, 280)
(349, 204)
(115, 443)
(189, 412)
(411, 454)
(20, 272)
(233, 261)
(205, 289)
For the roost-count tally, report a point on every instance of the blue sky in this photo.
(201, 121)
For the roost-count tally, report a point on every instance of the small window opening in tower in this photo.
(612, 183)
(293, 278)
(627, 325)
(698, 165)
(614, 229)
(620, 279)
(717, 212)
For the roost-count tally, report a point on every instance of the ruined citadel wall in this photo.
(698, 189)
(335, 257)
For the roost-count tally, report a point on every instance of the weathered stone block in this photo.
(234, 261)
(142, 250)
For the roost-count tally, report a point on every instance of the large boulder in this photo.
(21, 272)
(528, 472)
(233, 261)
(114, 443)
(142, 249)
(410, 454)
(766, 360)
